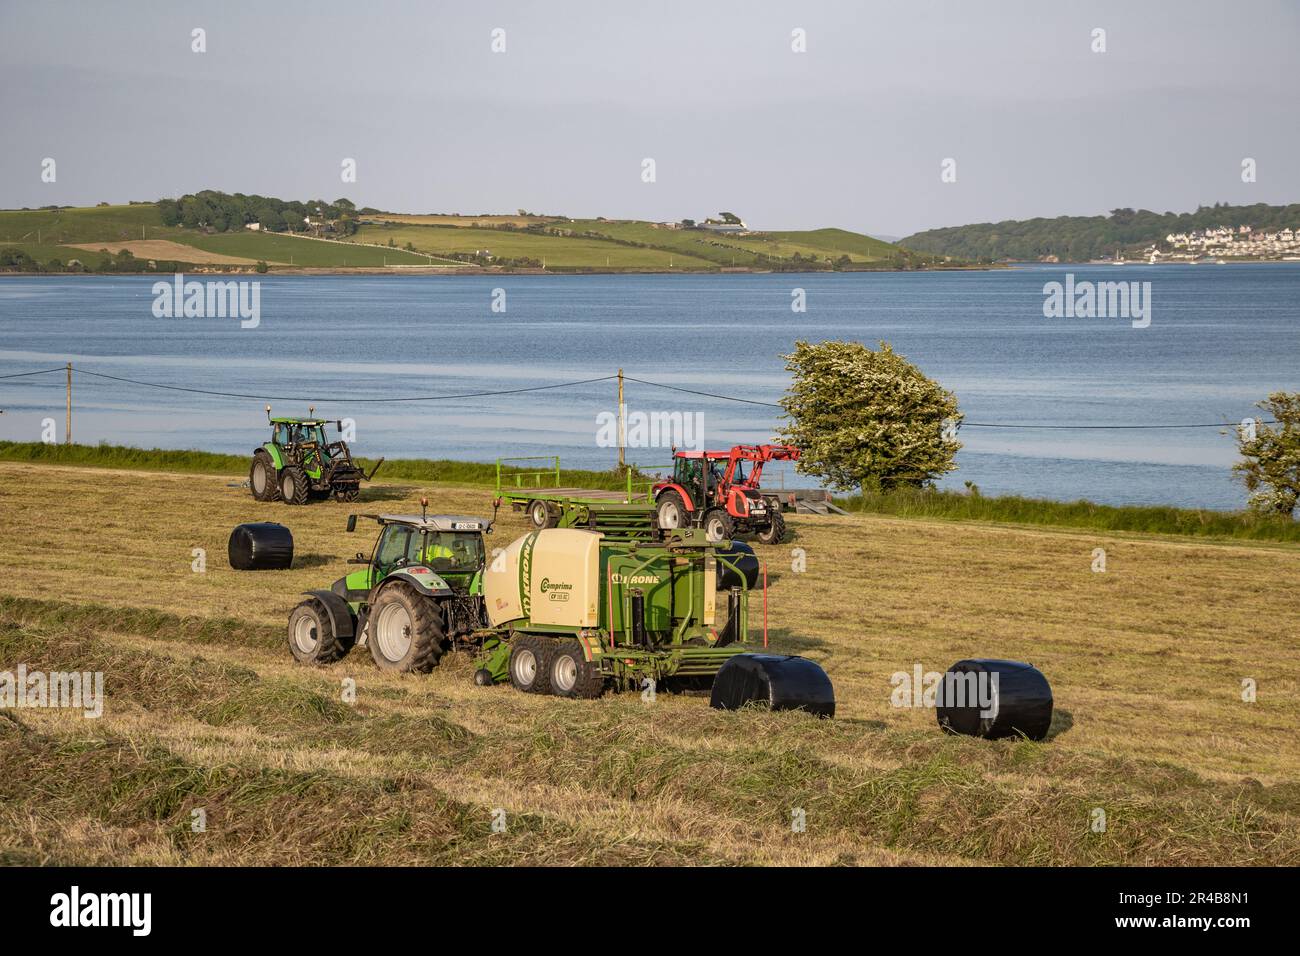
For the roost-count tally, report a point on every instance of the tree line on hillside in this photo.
(1078, 238)
(224, 212)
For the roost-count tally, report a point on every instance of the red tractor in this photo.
(710, 489)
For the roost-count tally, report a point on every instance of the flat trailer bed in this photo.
(574, 494)
(625, 513)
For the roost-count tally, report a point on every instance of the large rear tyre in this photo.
(718, 526)
(406, 633)
(775, 531)
(311, 635)
(263, 482)
(670, 512)
(294, 486)
(572, 675)
(530, 664)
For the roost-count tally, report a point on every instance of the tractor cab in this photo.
(443, 551)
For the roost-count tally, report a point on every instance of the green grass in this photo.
(930, 504)
(414, 470)
(840, 242)
(558, 252)
(730, 250)
(44, 252)
(1012, 509)
(83, 224)
(299, 252)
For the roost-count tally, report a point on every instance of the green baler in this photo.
(573, 612)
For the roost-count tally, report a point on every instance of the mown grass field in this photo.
(205, 709)
(730, 250)
(557, 251)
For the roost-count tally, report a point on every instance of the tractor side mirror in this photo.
(352, 522)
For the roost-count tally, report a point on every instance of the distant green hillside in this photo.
(49, 235)
(210, 229)
(1079, 238)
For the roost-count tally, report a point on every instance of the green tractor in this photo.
(298, 463)
(418, 595)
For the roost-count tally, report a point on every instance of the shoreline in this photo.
(438, 270)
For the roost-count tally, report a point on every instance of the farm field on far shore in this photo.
(204, 706)
(557, 251)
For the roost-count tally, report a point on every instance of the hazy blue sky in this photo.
(850, 133)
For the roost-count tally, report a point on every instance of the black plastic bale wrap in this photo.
(260, 546)
(741, 555)
(783, 683)
(1013, 699)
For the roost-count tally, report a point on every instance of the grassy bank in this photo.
(946, 505)
(419, 470)
(1011, 509)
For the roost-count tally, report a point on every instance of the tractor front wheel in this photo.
(718, 526)
(530, 661)
(670, 512)
(346, 494)
(294, 486)
(311, 635)
(775, 530)
(572, 675)
(406, 631)
(262, 479)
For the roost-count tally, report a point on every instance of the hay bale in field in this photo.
(994, 698)
(260, 546)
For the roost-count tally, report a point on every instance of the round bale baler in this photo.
(574, 613)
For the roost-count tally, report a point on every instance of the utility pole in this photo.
(622, 425)
(67, 427)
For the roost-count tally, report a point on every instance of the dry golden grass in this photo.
(205, 707)
(165, 249)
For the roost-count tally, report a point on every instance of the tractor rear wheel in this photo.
(262, 479)
(311, 635)
(775, 530)
(294, 486)
(406, 631)
(718, 525)
(572, 675)
(530, 664)
(670, 512)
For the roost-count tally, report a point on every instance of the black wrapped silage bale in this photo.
(260, 546)
(969, 700)
(741, 555)
(783, 683)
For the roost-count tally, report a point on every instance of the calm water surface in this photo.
(1221, 338)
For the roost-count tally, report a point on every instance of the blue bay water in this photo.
(1220, 339)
